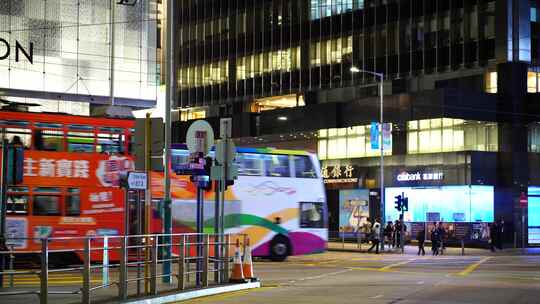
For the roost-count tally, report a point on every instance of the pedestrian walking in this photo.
(376, 236)
(366, 230)
(421, 237)
(500, 233)
(442, 235)
(389, 233)
(397, 227)
(493, 235)
(435, 240)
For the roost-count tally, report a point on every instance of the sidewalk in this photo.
(451, 251)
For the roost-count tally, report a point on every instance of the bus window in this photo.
(110, 142)
(303, 167)
(179, 157)
(73, 202)
(249, 164)
(311, 215)
(46, 201)
(17, 136)
(49, 140)
(17, 200)
(277, 165)
(80, 142)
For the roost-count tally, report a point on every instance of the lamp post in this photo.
(380, 77)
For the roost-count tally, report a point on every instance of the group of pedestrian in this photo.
(438, 234)
(392, 233)
(496, 231)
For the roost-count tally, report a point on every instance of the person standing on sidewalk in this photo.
(389, 234)
(376, 236)
(421, 237)
(493, 235)
(500, 233)
(397, 228)
(435, 240)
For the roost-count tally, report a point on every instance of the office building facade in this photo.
(460, 90)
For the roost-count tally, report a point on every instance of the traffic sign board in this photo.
(227, 156)
(200, 137)
(137, 180)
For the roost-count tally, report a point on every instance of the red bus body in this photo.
(66, 193)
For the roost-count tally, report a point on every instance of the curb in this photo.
(188, 295)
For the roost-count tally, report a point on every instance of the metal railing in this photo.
(135, 261)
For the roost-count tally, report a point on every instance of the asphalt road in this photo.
(345, 277)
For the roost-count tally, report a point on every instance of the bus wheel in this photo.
(280, 248)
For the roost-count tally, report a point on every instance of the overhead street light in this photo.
(380, 77)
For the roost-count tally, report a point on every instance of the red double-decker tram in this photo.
(71, 178)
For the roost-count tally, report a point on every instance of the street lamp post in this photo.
(380, 77)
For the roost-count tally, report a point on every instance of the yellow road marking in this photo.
(473, 267)
(388, 267)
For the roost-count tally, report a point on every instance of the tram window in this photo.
(109, 143)
(73, 202)
(304, 167)
(277, 165)
(80, 142)
(249, 164)
(17, 200)
(19, 136)
(46, 205)
(49, 140)
(311, 215)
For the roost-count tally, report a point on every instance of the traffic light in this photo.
(405, 204)
(398, 203)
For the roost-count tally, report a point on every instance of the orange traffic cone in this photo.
(247, 266)
(237, 273)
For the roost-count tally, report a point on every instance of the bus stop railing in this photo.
(135, 261)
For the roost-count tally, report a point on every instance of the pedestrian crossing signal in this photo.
(402, 203)
(398, 203)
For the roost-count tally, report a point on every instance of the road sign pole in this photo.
(170, 95)
(148, 196)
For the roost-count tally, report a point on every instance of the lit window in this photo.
(352, 142)
(277, 102)
(451, 135)
(532, 82)
(491, 82)
(190, 114)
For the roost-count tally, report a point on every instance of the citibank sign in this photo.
(419, 176)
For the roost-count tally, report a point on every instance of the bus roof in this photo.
(254, 150)
(67, 119)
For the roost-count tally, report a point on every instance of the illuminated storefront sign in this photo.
(339, 174)
(419, 176)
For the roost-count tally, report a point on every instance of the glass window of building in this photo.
(351, 142)
(451, 135)
(326, 8)
(491, 82)
(330, 51)
(192, 113)
(203, 75)
(255, 65)
(277, 102)
(534, 137)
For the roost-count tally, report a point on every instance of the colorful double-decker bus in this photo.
(71, 175)
(278, 200)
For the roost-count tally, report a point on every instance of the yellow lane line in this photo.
(473, 267)
(388, 267)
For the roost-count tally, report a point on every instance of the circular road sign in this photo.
(200, 137)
